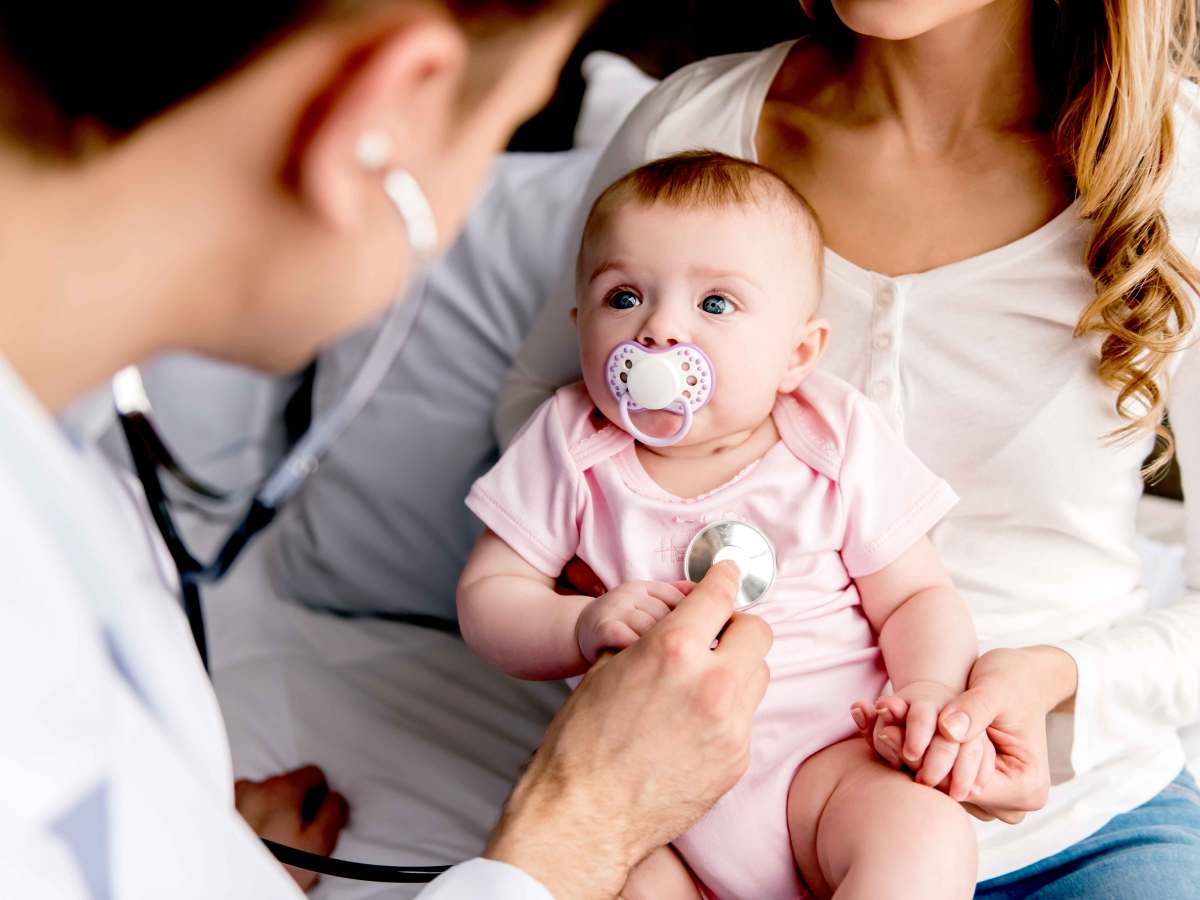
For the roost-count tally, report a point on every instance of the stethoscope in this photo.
(680, 380)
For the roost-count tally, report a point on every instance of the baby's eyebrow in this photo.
(721, 275)
(606, 266)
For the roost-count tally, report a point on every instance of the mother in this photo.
(1011, 196)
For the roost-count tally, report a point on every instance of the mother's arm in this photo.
(1142, 672)
(1146, 669)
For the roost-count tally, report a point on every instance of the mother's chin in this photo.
(901, 20)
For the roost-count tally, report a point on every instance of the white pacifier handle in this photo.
(648, 439)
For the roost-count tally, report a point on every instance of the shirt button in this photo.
(887, 293)
(883, 341)
(881, 388)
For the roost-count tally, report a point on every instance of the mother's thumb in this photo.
(966, 717)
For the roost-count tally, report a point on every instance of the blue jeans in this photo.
(1149, 853)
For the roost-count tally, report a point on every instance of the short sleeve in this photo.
(532, 497)
(890, 498)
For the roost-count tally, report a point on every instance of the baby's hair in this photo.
(705, 179)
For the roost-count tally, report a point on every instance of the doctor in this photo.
(195, 177)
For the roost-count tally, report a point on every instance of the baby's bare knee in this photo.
(881, 821)
(942, 820)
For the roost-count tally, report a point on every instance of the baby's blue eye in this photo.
(716, 305)
(624, 300)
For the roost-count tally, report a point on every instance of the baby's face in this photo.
(738, 282)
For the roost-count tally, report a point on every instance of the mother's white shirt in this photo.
(975, 363)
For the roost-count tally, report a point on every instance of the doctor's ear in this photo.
(390, 104)
(807, 353)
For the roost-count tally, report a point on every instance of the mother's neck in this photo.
(975, 71)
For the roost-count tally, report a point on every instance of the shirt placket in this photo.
(890, 296)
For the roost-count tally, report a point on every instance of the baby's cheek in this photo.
(597, 387)
(745, 393)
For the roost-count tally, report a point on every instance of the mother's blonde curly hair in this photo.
(1118, 65)
(1110, 71)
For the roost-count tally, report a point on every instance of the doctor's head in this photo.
(227, 159)
(702, 249)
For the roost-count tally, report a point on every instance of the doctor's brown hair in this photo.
(109, 67)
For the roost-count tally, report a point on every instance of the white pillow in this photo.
(614, 87)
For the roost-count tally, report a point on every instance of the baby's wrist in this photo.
(928, 685)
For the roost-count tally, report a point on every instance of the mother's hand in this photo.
(1004, 700)
(1009, 693)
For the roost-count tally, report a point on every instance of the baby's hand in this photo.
(903, 730)
(615, 620)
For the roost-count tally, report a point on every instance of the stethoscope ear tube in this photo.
(149, 452)
(341, 868)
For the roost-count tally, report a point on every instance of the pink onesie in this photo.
(839, 496)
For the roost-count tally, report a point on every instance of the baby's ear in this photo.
(810, 347)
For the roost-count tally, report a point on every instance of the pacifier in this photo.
(678, 379)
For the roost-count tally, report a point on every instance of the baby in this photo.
(698, 283)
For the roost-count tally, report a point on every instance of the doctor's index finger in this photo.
(708, 606)
(747, 637)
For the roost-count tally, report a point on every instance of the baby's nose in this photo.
(661, 331)
(649, 340)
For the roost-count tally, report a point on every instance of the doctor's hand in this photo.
(296, 808)
(651, 738)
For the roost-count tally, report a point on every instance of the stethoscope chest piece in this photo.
(742, 543)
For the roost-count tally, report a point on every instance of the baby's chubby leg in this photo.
(661, 876)
(862, 829)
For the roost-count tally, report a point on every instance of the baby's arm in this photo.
(924, 628)
(511, 616)
(928, 644)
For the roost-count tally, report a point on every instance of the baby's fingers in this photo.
(864, 717)
(613, 634)
(888, 741)
(653, 606)
(864, 714)
(919, 726)
(891, 709)
(640, 620)
(668, 594)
